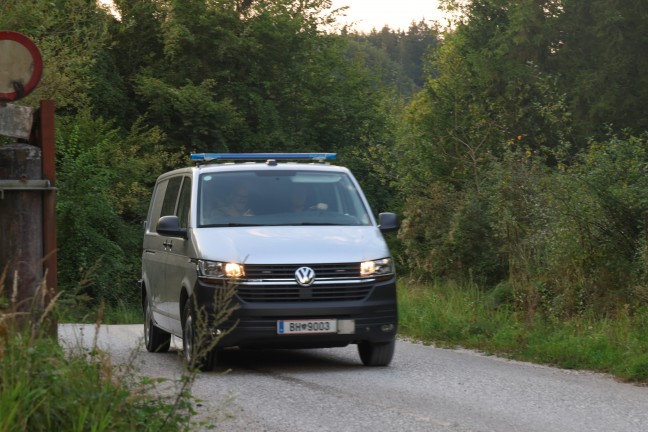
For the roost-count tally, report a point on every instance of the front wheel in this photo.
(155, 339)
(195, 342)
(376, 354)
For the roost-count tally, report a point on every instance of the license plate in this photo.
(306, 326)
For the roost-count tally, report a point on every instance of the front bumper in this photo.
(254, 324)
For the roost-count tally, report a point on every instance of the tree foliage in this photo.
(401, 53)
(104, 177)
(229, 76)
(171, 76)
(71, 35)
(521, 159)
(513, 143)
(598, 51)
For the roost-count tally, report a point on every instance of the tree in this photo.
(249, 76)
(104, 178)
(71, 35)
(491, 93)
(598, 54)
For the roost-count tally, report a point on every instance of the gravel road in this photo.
(425, 389)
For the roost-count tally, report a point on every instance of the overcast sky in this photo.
(368, 14)
(398, 14)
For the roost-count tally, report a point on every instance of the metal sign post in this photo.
(27, 179)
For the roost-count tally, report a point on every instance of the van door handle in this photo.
(168, 244)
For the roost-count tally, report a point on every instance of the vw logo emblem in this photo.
(305, 276)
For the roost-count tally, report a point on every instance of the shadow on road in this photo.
(284, 360)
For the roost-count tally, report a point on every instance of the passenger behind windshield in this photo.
(299, 200)
(235, 204)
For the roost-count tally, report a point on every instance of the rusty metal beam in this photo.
(48, 148)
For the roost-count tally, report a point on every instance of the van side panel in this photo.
(159, 256)
(177, 264)
(153, 254)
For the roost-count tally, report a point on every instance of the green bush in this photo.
(45, 388)
(594, 255)
(565, 240)
(105, 177)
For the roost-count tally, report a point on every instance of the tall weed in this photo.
(44, 387)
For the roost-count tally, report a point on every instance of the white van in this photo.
(295, 242)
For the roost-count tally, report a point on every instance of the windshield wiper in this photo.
(320, 223)
(231, 224)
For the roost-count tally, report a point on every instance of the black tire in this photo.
(195, 355)
(376, 354)
(155, 339)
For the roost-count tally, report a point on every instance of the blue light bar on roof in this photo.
(263, 156)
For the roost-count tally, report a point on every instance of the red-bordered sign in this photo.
(21, 66)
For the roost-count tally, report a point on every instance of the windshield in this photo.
(285, 197)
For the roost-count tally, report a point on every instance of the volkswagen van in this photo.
(290, 236)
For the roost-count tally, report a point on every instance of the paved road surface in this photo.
(425, 389)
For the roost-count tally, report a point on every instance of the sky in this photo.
(365, 15)
(397, 14)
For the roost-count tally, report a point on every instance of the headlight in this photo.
(376, 267)
(219, 270)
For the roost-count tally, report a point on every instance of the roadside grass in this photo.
(44, 387)
(121, 313)
(451, 315)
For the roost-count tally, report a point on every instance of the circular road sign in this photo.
(21, 66)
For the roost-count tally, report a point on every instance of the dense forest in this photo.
(513, 144)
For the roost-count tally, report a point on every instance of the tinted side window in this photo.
(171, 197)
(156, 205)
(184, 202)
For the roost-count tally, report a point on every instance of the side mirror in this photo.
(170, 226)
(387, 222)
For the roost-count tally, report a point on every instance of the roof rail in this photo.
(318, 157)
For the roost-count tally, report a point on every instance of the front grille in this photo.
(344, 270)
(288, 293)
(276, 283)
